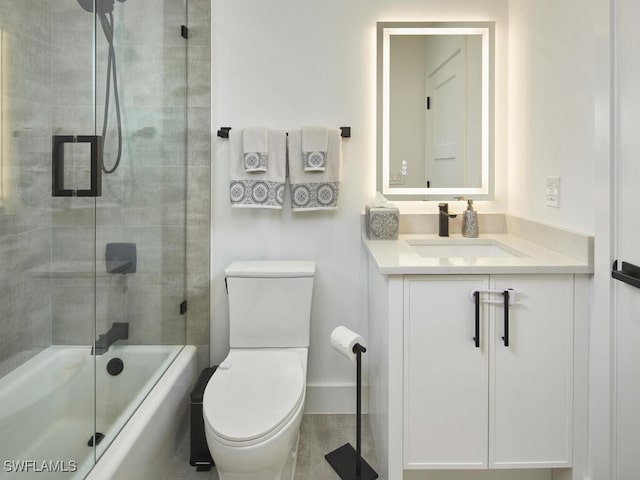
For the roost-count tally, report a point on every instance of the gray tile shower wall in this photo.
(25, 217)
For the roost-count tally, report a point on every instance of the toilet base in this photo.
(289, 470)
(343, 461)
(257, 462)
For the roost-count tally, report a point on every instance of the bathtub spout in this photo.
(118, 331)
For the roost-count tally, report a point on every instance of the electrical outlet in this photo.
(552, 194)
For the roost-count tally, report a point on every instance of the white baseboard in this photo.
(334, 398)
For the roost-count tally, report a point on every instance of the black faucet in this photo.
(118, 331)
(443, 220)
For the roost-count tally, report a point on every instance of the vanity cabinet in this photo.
(483, 394)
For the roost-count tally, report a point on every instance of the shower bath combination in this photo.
(104, 11)
(67, 255)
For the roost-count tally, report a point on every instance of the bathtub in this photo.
(47, 413)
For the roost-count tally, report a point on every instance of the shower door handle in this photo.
(57, 165)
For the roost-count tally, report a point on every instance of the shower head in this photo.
(102, 6)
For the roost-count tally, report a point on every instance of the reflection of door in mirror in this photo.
(453, 111)
(445, 114)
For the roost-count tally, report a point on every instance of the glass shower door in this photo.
(141, 213)
(75, 184)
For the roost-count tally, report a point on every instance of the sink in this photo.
(462, 247)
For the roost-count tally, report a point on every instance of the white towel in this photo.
(255, 149)
(314, 148)
(258, 189)
(312, 191)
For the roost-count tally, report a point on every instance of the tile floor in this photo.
(319, 435)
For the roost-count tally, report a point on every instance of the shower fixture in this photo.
(102, 6)
(104, 12)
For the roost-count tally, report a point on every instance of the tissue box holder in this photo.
(382, 223)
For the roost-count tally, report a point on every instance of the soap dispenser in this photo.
(470, 221)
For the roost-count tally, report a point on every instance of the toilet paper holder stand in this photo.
(345, 460)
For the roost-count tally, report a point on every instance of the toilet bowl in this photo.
(253, 404)
(252, 409)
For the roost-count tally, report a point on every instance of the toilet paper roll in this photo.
(343, 340)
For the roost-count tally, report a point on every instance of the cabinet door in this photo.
(445, 375)
(531, 388)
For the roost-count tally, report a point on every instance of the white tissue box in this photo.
(381, 223)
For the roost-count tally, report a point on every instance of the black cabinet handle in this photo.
(506, 318)
(476, 339)
(629, 273)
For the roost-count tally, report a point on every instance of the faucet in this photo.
(118, 331)
(443, 219)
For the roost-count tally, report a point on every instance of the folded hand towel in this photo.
(315, 190)
(314, 148)
(258, 189)
(255, 149)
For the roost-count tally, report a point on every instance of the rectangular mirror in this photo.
(435, 110)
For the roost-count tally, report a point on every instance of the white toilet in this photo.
(253, 404)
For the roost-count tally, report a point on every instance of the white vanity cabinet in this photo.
(505, 401)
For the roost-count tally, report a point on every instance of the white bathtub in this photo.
(47, 413)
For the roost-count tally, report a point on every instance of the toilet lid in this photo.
(252, 393)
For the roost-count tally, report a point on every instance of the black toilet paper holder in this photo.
(345, 460)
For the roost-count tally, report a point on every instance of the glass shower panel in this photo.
(140, 217)
(92, 222)
(47, 243)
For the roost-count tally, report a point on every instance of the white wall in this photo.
(284, 64)
(552, 128)
(559, 125)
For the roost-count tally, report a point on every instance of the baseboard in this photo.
(334, 398)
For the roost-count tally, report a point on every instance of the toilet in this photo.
(253, 404)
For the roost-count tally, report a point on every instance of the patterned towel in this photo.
(255, 147)
(314, 148)
(315, 190)
(257, 189)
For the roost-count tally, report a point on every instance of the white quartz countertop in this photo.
(398, 257)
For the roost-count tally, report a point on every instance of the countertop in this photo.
(397, 257)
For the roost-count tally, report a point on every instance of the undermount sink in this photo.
(462, 247)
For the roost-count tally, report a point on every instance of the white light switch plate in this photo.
(552, 193)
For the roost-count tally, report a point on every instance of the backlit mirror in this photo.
(435, 110)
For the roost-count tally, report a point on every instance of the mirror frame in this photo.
(487, 30)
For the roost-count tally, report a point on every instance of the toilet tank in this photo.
(269, 303)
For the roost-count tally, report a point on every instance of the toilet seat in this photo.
(253, 394)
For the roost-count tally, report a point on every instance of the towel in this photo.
(258, 189)
(312, 191)
(314, 148)
(255, 149)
